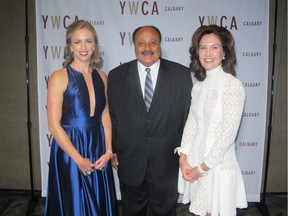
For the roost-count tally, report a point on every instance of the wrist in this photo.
(182, 159)
(79, 160)
(109, 151)
(201, 171)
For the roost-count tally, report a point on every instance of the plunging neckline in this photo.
(87, 89)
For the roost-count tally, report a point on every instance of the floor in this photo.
(21, 203)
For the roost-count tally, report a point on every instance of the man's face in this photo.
(147, 46)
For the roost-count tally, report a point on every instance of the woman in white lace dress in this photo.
(210, 177)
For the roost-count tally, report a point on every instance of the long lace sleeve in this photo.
(226, 131)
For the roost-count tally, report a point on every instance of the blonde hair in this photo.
(96, 61)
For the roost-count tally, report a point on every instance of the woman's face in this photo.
(210, 51)
(82, 44)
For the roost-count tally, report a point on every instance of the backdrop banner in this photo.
(115, 22)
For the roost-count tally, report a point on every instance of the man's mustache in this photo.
(145, 52)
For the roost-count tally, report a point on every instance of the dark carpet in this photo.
(23, 203)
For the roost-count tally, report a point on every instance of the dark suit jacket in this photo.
(142, 138)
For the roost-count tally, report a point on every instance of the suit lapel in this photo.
(161, 91)
(162, 86)
(134, 83)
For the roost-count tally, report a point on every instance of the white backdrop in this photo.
(115, 21)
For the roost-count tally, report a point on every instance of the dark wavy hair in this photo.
(96, 61)
(228, 45)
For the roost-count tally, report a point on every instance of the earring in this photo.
(223, 58)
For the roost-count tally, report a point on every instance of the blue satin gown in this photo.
(70, 193)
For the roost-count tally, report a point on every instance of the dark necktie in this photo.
(148, 93)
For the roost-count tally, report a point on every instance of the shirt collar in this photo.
(154, 67)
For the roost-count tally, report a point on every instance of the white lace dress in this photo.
(209, 137)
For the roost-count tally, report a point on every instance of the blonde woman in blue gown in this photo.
(80, 174)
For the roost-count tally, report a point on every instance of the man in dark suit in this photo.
(146, 133)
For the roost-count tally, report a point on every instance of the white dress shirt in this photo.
(142, 74)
